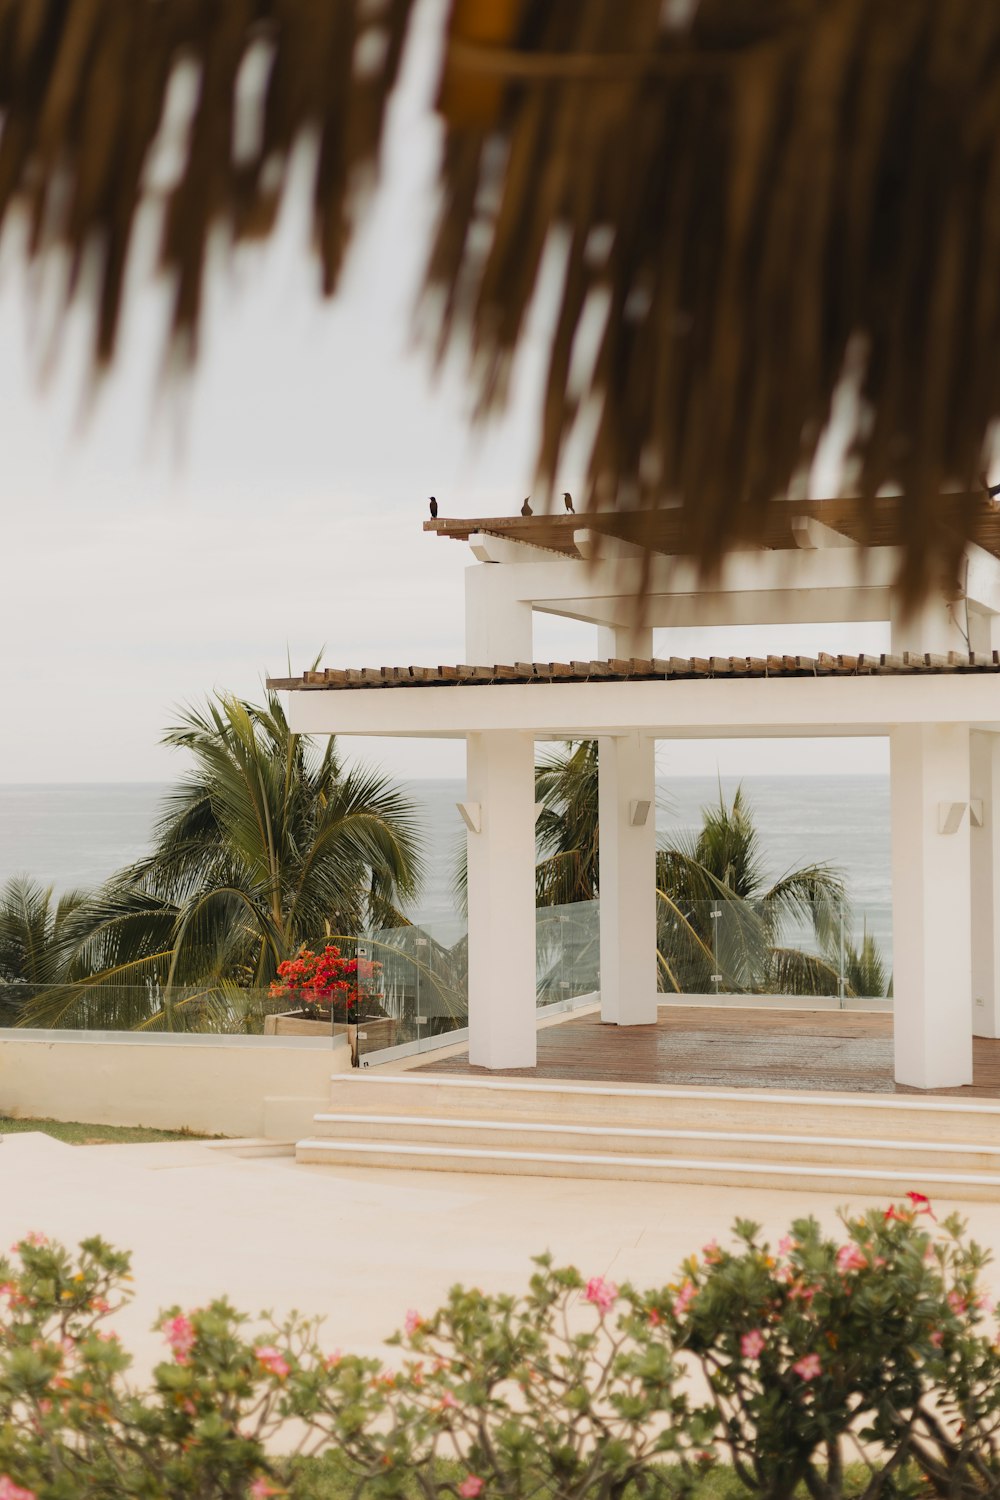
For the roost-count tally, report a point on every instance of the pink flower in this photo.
(892, 1214)
(752, 1344)
(11, 1491)
(332, 1360)
(602, 1294)
(786, 1245)
(921, 1204)
(683, 1299)
(448, 1401)
(937, 1338)
(260, 1490)
(808, 1367)
(850, 1258)
(273, 1360)
(412, 1322)
(470, 1487)
(711, 1252)
(180, 1335)
(957, 1303)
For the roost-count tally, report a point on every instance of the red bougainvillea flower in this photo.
(470, 1487)
(752, 1344)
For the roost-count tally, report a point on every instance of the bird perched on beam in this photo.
(568, 502)
(526, 509)
(434, 508)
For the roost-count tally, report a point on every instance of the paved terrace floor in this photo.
(733, 1047)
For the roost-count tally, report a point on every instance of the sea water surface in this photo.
(76, 835)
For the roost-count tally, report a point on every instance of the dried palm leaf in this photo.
(751, 200)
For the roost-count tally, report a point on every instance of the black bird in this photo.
(568, 502)
(434, 508)
(526, 509)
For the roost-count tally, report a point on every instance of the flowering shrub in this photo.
(325, 984)
(878, 1345)
(817, 1351)
(559, 1392)
(70, 1425)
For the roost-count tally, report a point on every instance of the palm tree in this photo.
(566, 833)
(716, 910)
(36, 942)
(782, 220)
(720, 916)
(264, 845)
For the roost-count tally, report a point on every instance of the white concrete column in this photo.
(936, 625)
(985, 862)
(497, 623)
(624, 641)
(931, 924)
(501, 896)
(627, 812)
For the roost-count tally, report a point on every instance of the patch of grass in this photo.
(329, 1478)
(75, 1133)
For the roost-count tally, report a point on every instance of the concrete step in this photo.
(844, 1177)
(610, 1138)
(879, 1144)
(821, 1116)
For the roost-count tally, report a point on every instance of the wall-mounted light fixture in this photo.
(950, 815)
(638, 811)
(472, 815)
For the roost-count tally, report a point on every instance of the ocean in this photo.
(75, 835)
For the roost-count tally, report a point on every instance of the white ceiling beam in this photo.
(811, 534)
(679, 709)
(487, 547)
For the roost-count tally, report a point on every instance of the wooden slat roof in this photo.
(658, 669)
(883, 524)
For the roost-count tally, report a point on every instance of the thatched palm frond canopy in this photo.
(765, 196)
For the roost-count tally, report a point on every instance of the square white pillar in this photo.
(984, 835)
(931, 923)
(498, 625)
(501, 898)
(627, 813)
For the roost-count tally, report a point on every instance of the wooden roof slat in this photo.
(879, 523)
(642, 669)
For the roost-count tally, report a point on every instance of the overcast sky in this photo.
(156, 547)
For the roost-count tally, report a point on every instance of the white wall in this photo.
(216, 1085)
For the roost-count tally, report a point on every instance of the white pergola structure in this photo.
(936, 695)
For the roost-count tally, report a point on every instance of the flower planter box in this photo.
(380, 1031)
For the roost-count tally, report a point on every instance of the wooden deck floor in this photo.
(843, 1051)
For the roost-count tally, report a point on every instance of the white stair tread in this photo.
(769, 1169)
(787, 1098)
(531, 1127)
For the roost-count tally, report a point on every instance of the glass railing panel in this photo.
(774, 948)
(419, 992)
(567, 952)
(206, 1009)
